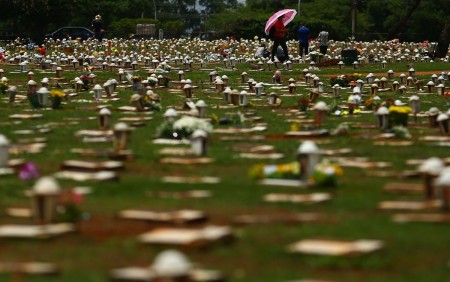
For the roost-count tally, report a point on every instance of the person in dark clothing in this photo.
(278, 32)
(322, 38)
(97, 28)
(303, 40)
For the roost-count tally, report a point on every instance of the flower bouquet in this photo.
(235, 119)
(85, 79)
(152, 81)
(68, 206)
(56, 97)
(315, 56)
(182, 128)
(151, 102)
(447, 97)
(352, 84)
(136, 79)
(401, 132)
(345, 80)
(398, 115)
(285, 171)
(29, 171)
(326, 174)
(372, 103)
(303, 104)
(3, 87)
(389, 102)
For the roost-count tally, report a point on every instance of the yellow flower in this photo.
(337, 169)
(257, 171)
(215, 119)
(400, 109)
(57, 93)
(295, 127)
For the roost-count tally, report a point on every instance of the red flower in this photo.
(303, 101)
(70, 197)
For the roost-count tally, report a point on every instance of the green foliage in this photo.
(126, 27)
(173, 28)
(374, 19)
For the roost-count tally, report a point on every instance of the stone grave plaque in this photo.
(327, 247)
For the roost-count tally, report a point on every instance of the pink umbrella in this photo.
(289, 15)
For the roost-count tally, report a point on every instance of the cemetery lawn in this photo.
(412, 252)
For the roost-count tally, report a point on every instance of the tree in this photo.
(444, 40)
(404, 20)
(216, 6)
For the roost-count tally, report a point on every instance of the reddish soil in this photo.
(104, 227)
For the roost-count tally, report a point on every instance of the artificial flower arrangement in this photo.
(56, 96)
(401, 132)
(136, 78)
(325, 173)
(345, 80)
(152, 101)
(389, 102)
(315, 56)
(3, 87)
(373, 103)
(303, 104)
(164, 67)
(182, 128)
(148, 102)
(447, 97)
(346, 113)
(236, 119)
(287, 171)
(341, 130)
(398, 115)
(68, 210)
(294, 127)
(85, 79)
(152, 81)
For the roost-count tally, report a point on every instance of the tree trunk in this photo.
(444, 40)
(404, 20)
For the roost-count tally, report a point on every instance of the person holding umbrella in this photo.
(278, 32)
(276, 29)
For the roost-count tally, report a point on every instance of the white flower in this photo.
(191, 124)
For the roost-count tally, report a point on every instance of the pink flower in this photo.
(29, 171)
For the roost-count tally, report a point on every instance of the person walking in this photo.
(278, 32)
(303, 40)
(97, 27)
(323, 41)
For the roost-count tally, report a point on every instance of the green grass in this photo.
(413, 252)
